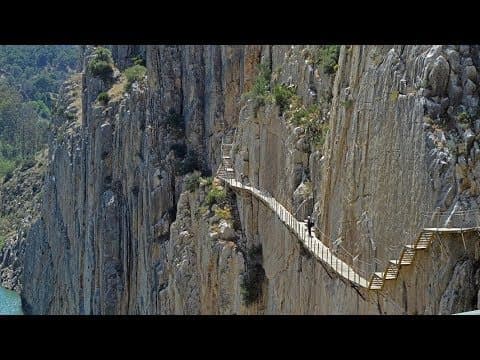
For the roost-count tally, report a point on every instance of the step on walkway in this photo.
(377, 280)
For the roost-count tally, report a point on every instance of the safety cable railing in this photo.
(369, 275)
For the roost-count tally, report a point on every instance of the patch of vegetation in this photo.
(464, 118)
(309, 119)
(3, 239)
(134, 73)
(224, 213)
(308, 189)
(206, 181)
(260, 91)
(347, 104)
(394, 96)
(138, 60)
(215, 228)
(192, 182)
(37, 71)
(202, 210)
(327, 58)
(103, 98)
(282, 95)
(6, 169)
(101, 64)
(23, 131)
(216, 195)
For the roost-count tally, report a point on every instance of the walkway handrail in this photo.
(348, 266)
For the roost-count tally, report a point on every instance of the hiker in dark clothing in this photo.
(310, 224)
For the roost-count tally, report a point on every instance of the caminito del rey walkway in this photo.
(372, 281)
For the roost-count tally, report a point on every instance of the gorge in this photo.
(128, 211)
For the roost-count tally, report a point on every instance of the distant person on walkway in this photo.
(310, 224)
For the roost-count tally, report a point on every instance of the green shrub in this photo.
(464, 118)
(101, 65)
(192, 182)
(6, 168)
(138, 60)
(309, 119)
(394, 96)
(224, 213)
(206, 181)
(327, 58)
(3, 238)
(283, 95)
(251, 284)
(103, 98)
(216, 195)
(260, 90)
(134, 73)
(103, 54)
(347, 104)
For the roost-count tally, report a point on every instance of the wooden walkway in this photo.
(376, 280)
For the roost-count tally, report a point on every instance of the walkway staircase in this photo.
(376, 281)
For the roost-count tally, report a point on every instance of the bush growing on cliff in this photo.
(192, 182)
(464, 118)
(217, 195)
(260, 90)
(6, 168)
(327, 58)
(224, 213)
(3, 238)
(134, 73)
(283, 95)
(138, 60)
(103, 98)
(101, 65)
(309, 119)
(251, 284)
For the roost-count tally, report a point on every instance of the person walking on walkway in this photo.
(310, 224)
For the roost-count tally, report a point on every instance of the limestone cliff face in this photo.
(113, 187)
(120, 234)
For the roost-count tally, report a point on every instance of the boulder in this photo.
(439, 75)
(226, 231)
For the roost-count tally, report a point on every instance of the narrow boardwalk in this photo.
(376, 280)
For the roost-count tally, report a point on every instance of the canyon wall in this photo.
(120, 233)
